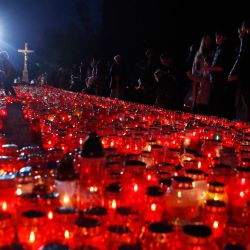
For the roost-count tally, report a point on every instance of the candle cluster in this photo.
(108, 174)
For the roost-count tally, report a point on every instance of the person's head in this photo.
(149, 53)
(206, 43)
(166, 59)
(220, 36)
(245, 27)
(118, 59)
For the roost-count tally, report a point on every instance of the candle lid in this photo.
(119, 229)
(56, 246)
(87, 222)
(130, 247)
(92, 147)
(160, 227)
(25, 171)
(134, 163)
(154, 191)
(166, 181)
(199, 231)
(98, 211)
(216, 187)
(31, 214)
(182, 182)
(66, 210)
(234, 247)
(114, 187)
(126, 211)
(215, 206)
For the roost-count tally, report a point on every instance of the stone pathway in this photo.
(15, 127)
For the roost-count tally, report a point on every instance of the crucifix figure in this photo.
(25, 51)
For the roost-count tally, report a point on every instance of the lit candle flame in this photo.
(19, 192)
(93, 189)
(215, 224)
(112, 144)
(113, 204)
(242, 194)
(32, 237)
(4, 206)
(199, 164)
(149, 177)
(135, 188)
(179, 194)
(81, 141)
(66, 199)
(66, 234)
(153, 207)
(50, 215)
(243, 181)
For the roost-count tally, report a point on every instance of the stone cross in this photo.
(25, 51)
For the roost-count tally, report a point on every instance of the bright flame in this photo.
(50, 215)
(209, 155)
(113, 204)
(243, 181)
(66, 234)
(149, 177)
(112, 144)
(149, 148)
(153, 207)
(4, 206)
(242, 194)
(93, 189)
(215, 224)
(19, 192)
(216, 198)
(135, 188)
(127, 147)
(179, 194)
(66, 199)
(81, 141)
(32, 237)
(199, 164)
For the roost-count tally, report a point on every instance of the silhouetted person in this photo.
(117, 81)
(168, 91)
(240, 71)
(8, 74)
(221, 104)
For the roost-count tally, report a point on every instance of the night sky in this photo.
(124, 26)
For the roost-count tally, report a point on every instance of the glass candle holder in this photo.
(181, 201)
(154, 204)
(6, 164)
(31, 228)
(214, 214)
(8, 192)
(158, 236)
(196, 237)
(89, 233)
(7, 232)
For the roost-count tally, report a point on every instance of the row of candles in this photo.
(152, 179)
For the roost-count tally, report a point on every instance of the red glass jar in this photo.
(158, 236)
(196, 237)
(216, 191)
(239, 192)
(214, 214)
(7, 232)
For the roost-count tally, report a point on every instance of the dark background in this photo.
(64, 32)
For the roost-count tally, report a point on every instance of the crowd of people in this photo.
(215, 81)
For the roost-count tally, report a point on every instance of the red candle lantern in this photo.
(239, 191)
(158, 236)
(154, 204)
(181, 201)
(7, 189)
(32, 232)
(196, 237)
(89, 233)
(215, 215)
(7, 233)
